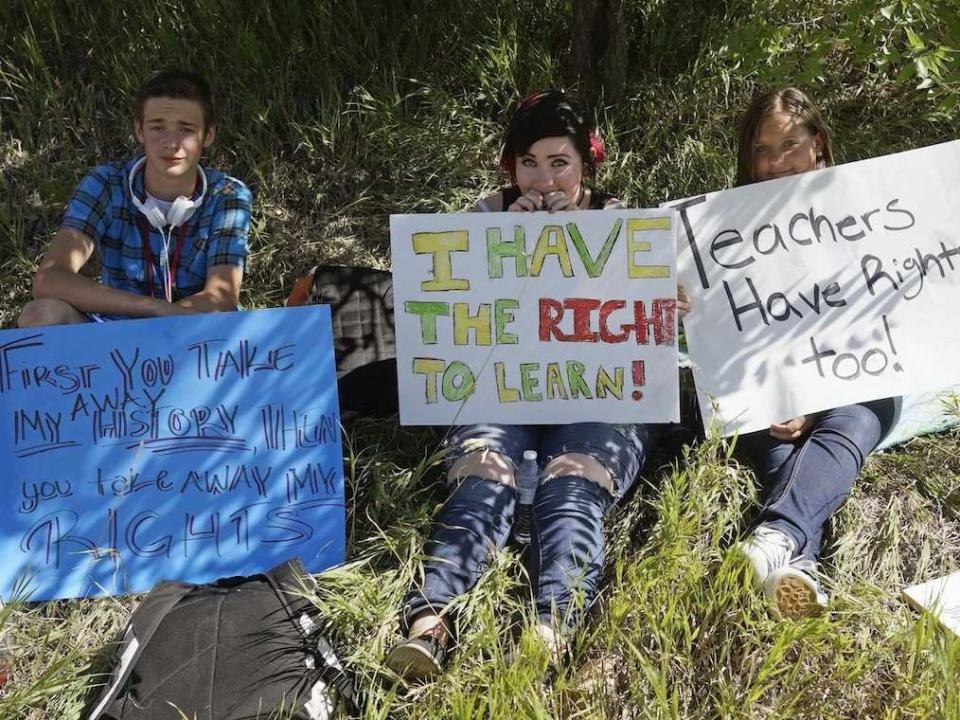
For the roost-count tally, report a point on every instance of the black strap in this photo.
(510, 195)
(344, 685)
(290, 579)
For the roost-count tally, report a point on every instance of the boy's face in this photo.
(173, 137)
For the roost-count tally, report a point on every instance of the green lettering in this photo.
(610, 385)
(594, 267)
(497, 250)
(578, 387)
(529, 385)
(503, 316)
(555, 386)
(458, 382)
(428, 312)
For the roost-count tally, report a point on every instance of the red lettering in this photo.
(551, 313)
(664, 325)
(640, 322)
(661, 322)
(608, 307)
(582, 307)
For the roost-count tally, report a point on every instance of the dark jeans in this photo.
(805, 482)
(567, 545)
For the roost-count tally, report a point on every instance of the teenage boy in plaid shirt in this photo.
(171, 236)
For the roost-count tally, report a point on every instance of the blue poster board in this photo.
(185, 448)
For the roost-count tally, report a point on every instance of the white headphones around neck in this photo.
(182, 209)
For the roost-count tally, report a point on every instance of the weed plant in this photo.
(338, 114)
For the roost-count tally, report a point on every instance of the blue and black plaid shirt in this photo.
(102, 210)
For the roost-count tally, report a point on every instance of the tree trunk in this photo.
(598, 50)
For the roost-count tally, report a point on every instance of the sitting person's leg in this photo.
(49, 311)
(476, 518)
(804, 484)
(589, 467)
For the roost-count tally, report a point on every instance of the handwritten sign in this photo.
(536, 318)
(824, 289)
(178, 448)
(940, 597)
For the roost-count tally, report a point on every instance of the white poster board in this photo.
(530, 318)
(824, 289)
(940, 597)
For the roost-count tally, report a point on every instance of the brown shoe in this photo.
(420, 658)
(594, 685)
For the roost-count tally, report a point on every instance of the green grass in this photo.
(338, 114)
(678, 631)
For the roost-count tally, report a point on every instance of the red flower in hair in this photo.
(596, 148)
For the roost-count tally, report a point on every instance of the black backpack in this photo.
(236, 649)
(364, 335)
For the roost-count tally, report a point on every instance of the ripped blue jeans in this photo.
(566, 553)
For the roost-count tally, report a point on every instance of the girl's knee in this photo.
(856, 424)
(580, 465)
(483, 463)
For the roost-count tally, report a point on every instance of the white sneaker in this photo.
(789, 582)
(767, 549)
(794, 592)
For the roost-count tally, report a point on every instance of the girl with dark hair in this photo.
(549, 151)
(808, 464)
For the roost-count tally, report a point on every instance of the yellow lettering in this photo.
(430, 368)
(504, 394)
(463, 322)
(441, 245)
(634, 227)
(552, 241)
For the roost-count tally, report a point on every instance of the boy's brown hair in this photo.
(179, 84)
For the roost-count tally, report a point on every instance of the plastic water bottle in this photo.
(527, 480)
